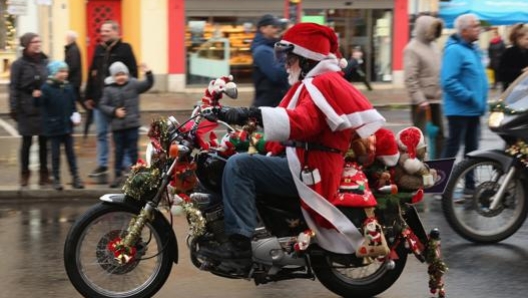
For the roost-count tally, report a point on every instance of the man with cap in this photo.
(315, 122)
(27, 75)
(269, 76)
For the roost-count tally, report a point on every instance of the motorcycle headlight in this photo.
(495, 119)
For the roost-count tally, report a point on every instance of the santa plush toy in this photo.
(412, 173)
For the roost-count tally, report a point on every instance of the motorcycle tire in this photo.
(115, 276)
(381, 278)
(464, 209)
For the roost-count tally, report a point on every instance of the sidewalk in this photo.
(383, 96)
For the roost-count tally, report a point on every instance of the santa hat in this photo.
(410, 140)
(314, 41)
(386, 147)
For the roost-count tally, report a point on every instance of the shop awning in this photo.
(493, 12)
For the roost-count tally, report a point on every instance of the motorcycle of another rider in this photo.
(125, 246)
(486, 198)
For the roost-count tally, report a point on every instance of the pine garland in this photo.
(520, 151)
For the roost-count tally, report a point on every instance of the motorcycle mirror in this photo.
(231, 90)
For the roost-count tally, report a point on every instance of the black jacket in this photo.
(269, 75)
(513, 60)
(58, 104)
(104, 56)
(27, 74)
(72, 57)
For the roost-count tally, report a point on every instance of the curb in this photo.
(13, 193)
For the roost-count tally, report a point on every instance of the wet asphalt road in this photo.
(32, 235)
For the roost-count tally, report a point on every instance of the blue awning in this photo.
(494, 12)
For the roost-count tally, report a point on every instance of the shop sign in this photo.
(17, 7)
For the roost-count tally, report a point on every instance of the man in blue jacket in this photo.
(465, 86)
(269, 75)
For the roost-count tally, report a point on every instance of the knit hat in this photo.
(115, 68)
(313, 41)
(386, 147)
(25, 39)
(55, 66)
(267, 20)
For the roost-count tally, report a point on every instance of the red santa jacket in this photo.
(324, 109)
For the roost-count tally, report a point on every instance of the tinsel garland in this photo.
(520, 151)
(142, 182)
(159, 134)
(500, 106)
(437, 267)
(196, 220)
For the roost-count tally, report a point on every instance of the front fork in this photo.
(497, 198)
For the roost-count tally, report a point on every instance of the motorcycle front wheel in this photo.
(91, 262)
(358, 282)
(467, 199)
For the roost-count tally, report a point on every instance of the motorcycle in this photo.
(125, 246)
(485, 199)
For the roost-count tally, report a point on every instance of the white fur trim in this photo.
(302, 51)
(364, 122)
(412, 165)
(276, 123)
(347, 237)
(327, 65)
(389, 160)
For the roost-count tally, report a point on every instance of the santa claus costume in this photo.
(321, 109)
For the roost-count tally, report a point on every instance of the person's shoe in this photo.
(238, 247)
(57, 185)
(44, 178)
(117, 182)
(77, 183)
(24, 179)
(100, 170)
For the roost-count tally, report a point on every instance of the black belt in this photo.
(311, 146)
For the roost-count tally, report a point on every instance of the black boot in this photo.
(77, 182)
(56, 184)
(117, 181)
(44, 178)
(24, 178)
(238, 247)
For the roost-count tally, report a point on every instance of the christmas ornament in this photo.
(437, 268)
(520, 151)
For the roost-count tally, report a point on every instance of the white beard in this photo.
(293, 75)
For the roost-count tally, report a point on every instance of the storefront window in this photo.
(218, 46)
(369, 30)
(7, 39)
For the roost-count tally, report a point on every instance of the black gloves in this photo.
(240, 115)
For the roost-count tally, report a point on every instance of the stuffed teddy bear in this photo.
(412, 173)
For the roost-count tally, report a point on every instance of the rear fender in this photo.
(500, 156)
(121, 199)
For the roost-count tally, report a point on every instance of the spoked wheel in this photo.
(468, 196)
(358, 282)
(99, 267)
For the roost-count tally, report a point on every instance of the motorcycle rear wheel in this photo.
(466, 209)
(358, 282)
(91, 266)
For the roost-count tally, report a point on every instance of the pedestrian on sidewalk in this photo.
(120, 103)
(355, 69)
(27, 75)
(269, 75)
(110, 50)
(465, 86)
(514, 60)
(496, 48)
(72, 57)
(59, 112)
(421, 66)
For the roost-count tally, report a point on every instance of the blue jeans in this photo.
(101, 127)
(463, 130)
(246, 175)
(125, 141)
